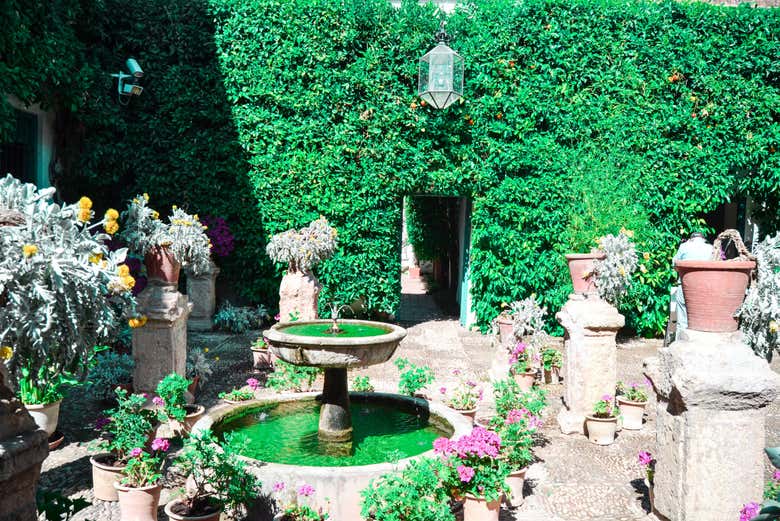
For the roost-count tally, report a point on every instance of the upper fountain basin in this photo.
(363, 343)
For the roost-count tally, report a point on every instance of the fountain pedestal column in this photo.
(335, 417)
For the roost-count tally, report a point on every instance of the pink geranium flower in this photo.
(306, 490)
(159, 402)
(253, 383)
(136, 452)
(161, 444)
(465, 473)
(645, 458)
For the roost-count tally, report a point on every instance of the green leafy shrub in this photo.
(412, 378)
(362, 384)
(551, 358)
(170, 397)
(239, 319)
(289, 377)
(508, 396)
(125, 427)
(108, 370)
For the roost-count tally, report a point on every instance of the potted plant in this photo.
(107, 371)
(139, 489)
(516, 432)
(632, 401)
(241, 395)
(301, 250)
(602, 424)
(503, 324)
(199, 369)
(508, 395)
(289, 377)
(218, 479)
(416, 493)
(61, 292)
(261, 355)
(552, 361)
(474, 471)
(166, 246)
(413, 378)
(362, 384)
(124, 428)
(613, 272)
(760, 313)
(172, 406)
(647, 462)
(520, 367)
(298, 504)
(465, 396)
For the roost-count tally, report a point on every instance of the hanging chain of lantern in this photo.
(441, 73)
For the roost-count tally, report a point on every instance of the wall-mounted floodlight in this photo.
(128, 84)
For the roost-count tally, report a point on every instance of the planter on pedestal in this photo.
(162, 265)
(713, 291)
(138, 504)
(298, 294)
(632, 413)
(581, 270)
(202, 294)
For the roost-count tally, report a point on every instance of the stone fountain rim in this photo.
(460, 427)
(275, 335)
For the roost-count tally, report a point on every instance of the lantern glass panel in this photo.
(441, 76)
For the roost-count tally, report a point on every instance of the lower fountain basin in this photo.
(340, 484)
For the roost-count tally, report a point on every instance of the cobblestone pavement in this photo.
(574, 480)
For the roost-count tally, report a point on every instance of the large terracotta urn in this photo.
(298, 294)
(713, 291)
(161, 265)
(581, 271)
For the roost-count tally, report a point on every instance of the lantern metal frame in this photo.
(440, 75)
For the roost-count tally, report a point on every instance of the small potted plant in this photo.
(632, 400)
(362, 384)
(520, 367)
(172, 406)
(218, 479)
(503, 324)
(297, 504)
(166, 246)
(124, 428)
(289, 377)
(199, 369)
(474, 471)
(759, 314)
(602, 424)
(465, 396)
(508, 395)
(613, 272)
(647, 462)
(552, 361)
(261, 355)
(413, 378)
(140, 487)
(109, 370)
(516, 432)
(241, 395)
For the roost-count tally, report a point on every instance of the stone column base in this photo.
(20, 467)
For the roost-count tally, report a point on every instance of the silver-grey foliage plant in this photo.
(613, 273)
(302, 249)
(760, 312)
(61, 292)
(528, 323)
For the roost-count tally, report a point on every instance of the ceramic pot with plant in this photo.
(139, 488)
(412, 378)
(520, 367)
(172, 406)
(166, 246)
(516, 432)
(199, 369)
(122, 429)
(465, 397)
(601, 425)
(297, 503)
(552, 361)
(632, 400)
(475, 472)
(301, 250)
(504, 326)
(218, 479)
(261, 355)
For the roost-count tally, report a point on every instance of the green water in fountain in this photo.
(347, 330)
(287, 433)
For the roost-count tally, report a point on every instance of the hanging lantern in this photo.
(441, 73)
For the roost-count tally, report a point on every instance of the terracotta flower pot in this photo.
(469, 414)
(194, 413)
(104, 476)
(632, 413)
(581, 271)
(261, 358)
(505, 330)
(478, 509)
(525, 380)
(601, 431)
(552, 376)
(55, 440)
(46, 415)
(161, 265)
(515, 482)
(172, 506)
(138, 504)
(713, 291)
(193, 387)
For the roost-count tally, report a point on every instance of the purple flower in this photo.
(253, 383)
(100, 423)
(456, 372)
(519, 348)
(278, 486)
(471, 383)
(161, 444)
(648, 383)
(443, 390)
(306, 490)
(515, 415)
(749, 511)
(465, 473)
(136, 452)
(776, 475)
(145, 395)
(277, 317)
(607, 398)
(441, 446)
(645, 458)
(159, 402)
(219, 233)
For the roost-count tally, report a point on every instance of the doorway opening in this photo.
(434, 259)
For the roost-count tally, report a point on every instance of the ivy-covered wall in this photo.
(579, 117)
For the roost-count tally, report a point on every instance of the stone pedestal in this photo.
(23, 447)
(710, 429)
(298, 294)
(590, 357)
(160, 346)
(202, 294)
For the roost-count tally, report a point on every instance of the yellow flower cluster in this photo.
(772, 326)
(85, 209)
(6, 353)
(137, 321)
(155, 214)
(95, 258)
(627, 233)
(110, 223)
(124, 274)
(28, 250)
